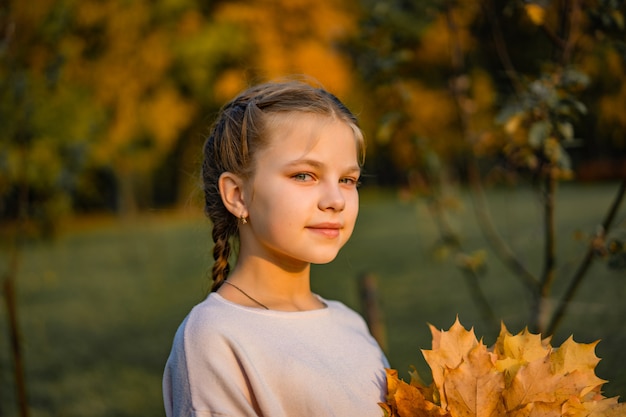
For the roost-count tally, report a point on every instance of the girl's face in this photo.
(302, 201)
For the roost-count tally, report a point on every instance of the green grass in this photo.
(99, 307)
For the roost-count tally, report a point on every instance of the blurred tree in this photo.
(292, 37)
(127, 55)
(145, 72)
(91, 86)
(404, 54)
(43, 143)
(442, 71)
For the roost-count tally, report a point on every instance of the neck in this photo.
(274, 287)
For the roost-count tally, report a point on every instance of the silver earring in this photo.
(243, 219)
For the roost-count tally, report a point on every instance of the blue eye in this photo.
(302, 176)
(350, 181)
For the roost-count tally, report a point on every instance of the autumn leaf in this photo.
(535, 383)
(406, 400)
(601, 407)
(572, 356)
(521, 375)
(449, 349)
(474, 388)
(516, 351)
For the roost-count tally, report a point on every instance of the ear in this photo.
(232, 193)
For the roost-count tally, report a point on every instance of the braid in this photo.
(224, 223)
(221, 254)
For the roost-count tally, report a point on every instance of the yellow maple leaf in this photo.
(599, 407)
(581, 357)
(521, 375)
(474, 388)
(449, 348)
(516, 351)
(536, 383)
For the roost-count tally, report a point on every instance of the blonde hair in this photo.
(241, 129)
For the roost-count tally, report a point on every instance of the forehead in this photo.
(306, 129)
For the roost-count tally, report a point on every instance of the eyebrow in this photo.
(318, 164)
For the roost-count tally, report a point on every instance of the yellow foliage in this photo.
(612, 107)
(514, 122)
(165, 115)
(295, 37)
(29, 14)
(229, 84)
(482, 90)
(436, 41)
(153, 56)
(432, 110)
(614, 64)
(536, 13)
(521, 375)
(129, 79)
(318, 61)
(90, 12)
(435, 46)
(190, 23)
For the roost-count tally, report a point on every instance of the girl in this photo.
(280, 174)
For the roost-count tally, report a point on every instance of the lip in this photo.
(330, 230)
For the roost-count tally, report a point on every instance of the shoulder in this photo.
(212, 331)
(345, 315)
(211, 318)
(337, 307)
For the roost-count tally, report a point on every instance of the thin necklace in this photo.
(246, 294)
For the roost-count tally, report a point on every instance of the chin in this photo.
(322, 260)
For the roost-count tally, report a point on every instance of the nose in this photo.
(332, 198)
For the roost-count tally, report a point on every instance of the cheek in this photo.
(354, 202)
(352, 207)
(277, 210)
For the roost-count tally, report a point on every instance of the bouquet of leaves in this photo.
(519, 376)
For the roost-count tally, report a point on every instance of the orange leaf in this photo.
(572, 356)
(602, 407)
(405, 400)
(520, 376)
(516, 351)
(449, 349)
(475, 387)
(535, 383)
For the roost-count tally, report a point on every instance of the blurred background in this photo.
(493, 187)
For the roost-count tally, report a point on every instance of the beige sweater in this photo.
(230, 360)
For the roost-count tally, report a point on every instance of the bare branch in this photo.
(586, 262)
